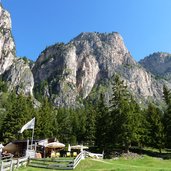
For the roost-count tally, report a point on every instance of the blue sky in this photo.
(145, 25)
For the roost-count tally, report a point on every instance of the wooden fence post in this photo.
(28, 161)
(2, 166)
(11, 165)
(17, 163)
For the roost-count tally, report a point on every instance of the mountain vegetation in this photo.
(89, 91)
(121, 124)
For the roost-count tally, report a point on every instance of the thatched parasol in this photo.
(79, 147)
(55, 145)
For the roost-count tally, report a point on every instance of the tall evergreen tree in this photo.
(155, 127)
(90, 124)
(45, 121)
(102, 126)
(75, 123)
(19, 112)
(64, 125)
(123, 116)
(166, 95)
(82, 118)
(167, 115)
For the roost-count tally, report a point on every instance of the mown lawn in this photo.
(142, 164)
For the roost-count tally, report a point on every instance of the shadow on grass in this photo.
(112, 152)
(166, 155)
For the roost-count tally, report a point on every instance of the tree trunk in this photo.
(127, 146)
(160, 150)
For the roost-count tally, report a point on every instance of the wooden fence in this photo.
(78, 159)
(63, 164)
(58, 164)
(93, 155)
(11, 164)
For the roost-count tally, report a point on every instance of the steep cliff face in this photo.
(141, 83)
(15, 71)
(158, 64)
(19, 78)
(7, 46)
(66, 72)
(55, 73)
(98, 56)
(84, 66)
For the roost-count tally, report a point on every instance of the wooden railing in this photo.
(59, 164)
(10, 164)
(85, 154)
(94, 155)
(78, 159)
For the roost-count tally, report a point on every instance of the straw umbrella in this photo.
(79, 147)
(54, 145)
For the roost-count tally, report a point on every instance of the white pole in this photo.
(27, 144)
(11, 165)
(2, 167)
(32, 138)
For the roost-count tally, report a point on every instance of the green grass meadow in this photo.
(141, 164)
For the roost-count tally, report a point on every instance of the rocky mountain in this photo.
(158, 64)
(7, 45)
(16, 72)
(84, 67)
(19, 77)
(86, 64)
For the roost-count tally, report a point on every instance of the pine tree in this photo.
(45, 120)
(143, 129)
(19, 112)
(167, 116)
(155, 127)
(124, 122)
(64, 125)
(102, 126)
(90, 124)
(82, 117)
(75, 122)
(166, 95)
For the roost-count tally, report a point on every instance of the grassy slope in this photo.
(142, 164)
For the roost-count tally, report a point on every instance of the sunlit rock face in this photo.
(19, 78)
(7, 45)
(159, 64)
(67, 72)
(16, 72)
(82, 68)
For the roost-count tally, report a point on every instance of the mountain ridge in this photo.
(159, 64)
(90, 58)
(66, 73)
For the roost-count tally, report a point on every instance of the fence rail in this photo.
(94, 155)
(59, 164)
(68, 164)
(11, 164)
(78, 159)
